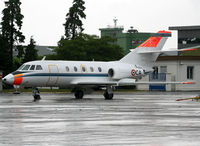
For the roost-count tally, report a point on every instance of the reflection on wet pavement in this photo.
(130, 119)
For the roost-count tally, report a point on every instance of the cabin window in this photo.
(20, 68)
(83, 69)
(67, 68)
(75, 69)
(26, 67)
(91, 69)
(38, 67)
(99, 68)
(190, 70)
(32, 67)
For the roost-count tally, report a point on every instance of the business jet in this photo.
(80, 75)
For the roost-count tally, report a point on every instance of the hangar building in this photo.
(188, 36)
(182, 67)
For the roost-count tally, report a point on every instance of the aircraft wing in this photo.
(123, 82)
(91, 82)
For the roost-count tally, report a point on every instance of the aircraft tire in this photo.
(108, 96)
(37, 97)
(79, 94)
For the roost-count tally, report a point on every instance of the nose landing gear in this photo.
(36, 94)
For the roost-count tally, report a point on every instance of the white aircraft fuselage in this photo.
(72, 73)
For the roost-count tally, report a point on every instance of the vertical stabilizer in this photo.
(154, 43)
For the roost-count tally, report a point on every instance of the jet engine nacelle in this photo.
(117, 73)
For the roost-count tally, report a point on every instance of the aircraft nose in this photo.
(9, 79)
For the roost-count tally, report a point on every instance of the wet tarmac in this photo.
(136, 119)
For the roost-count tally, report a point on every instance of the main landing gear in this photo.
(79, 94)
(108, 94)
(36, 94)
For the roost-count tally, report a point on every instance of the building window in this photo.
(163, 69)
(190, 70)
(67, 68)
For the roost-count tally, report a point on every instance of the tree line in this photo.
(74, 45)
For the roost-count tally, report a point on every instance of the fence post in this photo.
(173, 86)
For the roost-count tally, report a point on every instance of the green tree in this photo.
(73, 24)
(17, 62)
(11, 24)
(88, 48)
(30, 52)
(20, 50)
(5, 63)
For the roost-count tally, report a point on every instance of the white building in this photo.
(178, 68)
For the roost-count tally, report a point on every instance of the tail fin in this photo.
(148, 49)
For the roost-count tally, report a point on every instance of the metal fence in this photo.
(157, 77)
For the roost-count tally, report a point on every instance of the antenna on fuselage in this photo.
(43, 58)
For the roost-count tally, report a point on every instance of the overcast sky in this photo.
(43, 19)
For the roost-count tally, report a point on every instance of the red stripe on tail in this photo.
(151, 42)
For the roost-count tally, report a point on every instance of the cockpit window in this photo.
(32, 67)
(26, 67)
(20, 68)
(38, 67)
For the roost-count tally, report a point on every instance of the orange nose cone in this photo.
(18, 79)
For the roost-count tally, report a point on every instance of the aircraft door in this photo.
(53, 75)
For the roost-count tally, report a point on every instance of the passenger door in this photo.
(53, 75)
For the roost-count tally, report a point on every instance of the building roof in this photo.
(42, 50)
(112, 28)
(197, 27)
(177, 58)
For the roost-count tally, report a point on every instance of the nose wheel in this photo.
(36, 94)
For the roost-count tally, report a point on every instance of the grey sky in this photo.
(44, 18)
